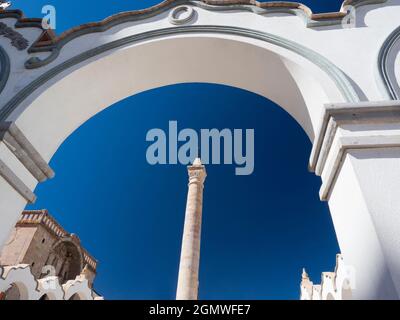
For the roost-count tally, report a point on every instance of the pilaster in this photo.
(357, 155)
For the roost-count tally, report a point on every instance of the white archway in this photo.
(70, 78)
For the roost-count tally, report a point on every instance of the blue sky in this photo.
(258, 230)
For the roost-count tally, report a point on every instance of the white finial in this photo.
(197, 162)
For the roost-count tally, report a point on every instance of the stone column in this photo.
(188, 278)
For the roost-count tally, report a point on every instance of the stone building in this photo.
(38, 241)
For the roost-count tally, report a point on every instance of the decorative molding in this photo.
(25, 152)
(383, 65)
(197, 174)
(4, 68)
(311, 20)
(17, 40)
(339, 78)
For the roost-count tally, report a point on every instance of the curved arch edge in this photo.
(338, 77)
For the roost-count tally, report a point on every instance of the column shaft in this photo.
(188, 279)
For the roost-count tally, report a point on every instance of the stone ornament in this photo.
(181, 15)
(4, 4)
(17, 40)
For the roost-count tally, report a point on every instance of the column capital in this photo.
(348, 126)
(197, 172)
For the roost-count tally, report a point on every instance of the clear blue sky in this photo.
(258, 230)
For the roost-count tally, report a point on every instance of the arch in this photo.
(68, 252)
